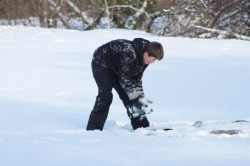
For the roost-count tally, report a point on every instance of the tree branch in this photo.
(224, 33)
(131, 7)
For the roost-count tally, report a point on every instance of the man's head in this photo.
(153, 51)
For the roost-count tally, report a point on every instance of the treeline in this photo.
(189, 18)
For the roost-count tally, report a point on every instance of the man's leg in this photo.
(136, 122)
(104, 81)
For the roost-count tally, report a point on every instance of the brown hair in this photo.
(154, 49)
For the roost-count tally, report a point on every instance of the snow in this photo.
(47, 92)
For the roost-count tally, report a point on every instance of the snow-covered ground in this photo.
(47, 92)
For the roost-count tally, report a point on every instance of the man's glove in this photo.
(146, 105)
(140, 107)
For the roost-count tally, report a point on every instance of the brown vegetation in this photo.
(190, 18)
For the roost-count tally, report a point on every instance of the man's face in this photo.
(148, 59)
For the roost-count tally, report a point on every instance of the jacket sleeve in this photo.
(130, 77)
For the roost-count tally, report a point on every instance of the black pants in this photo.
(106, 80)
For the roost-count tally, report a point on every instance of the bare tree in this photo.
(43, 13)
(185, 18)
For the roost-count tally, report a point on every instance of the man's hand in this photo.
(146, 105)
(140, 107)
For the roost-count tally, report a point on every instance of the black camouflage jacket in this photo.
(125, 59)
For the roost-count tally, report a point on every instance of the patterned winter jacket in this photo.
(125, 59)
